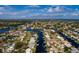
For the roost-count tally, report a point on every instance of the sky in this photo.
(39, 11)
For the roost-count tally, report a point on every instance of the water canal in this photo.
(41, 45)
(72, 42)
(8, 28)
(40, 48)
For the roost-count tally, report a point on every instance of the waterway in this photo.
(72, 42)
(4, 30)
(40, 48)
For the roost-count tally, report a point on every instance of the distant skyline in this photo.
(39, 11)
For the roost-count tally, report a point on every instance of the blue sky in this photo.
(39, 11)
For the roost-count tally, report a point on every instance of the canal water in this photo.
(72, 42)
(41, 45)
(40, 48)
(4, 30)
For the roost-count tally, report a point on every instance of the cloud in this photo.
(50, 10)
(75, 14)
(58, 9)
(1, 13)
(55, 9)
(34, 6)
(2, 8)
